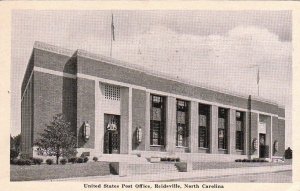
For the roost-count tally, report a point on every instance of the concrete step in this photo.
(151, 168)
(131, 159)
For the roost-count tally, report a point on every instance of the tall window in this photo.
(157, 120)
(239, 144)
(204, 111)
(222, 128)
(182, 123)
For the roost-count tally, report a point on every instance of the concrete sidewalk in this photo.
(181, 175)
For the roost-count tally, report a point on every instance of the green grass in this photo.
(46, 172)
(222, 165)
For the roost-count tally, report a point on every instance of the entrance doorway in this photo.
(111, 134)
(263, 150)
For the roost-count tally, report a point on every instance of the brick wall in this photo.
(53, 95)
(138, 117)
(280, 132)
(118, 73)
(27, 114)
(27, 74)
(54, 61)
(253, 131)
(86, 110)
(281, 112)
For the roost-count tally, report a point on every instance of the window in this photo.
(239, 130)
(157, 120)
(182, 123)
(222, 128)
(111, 92)
(203, 136)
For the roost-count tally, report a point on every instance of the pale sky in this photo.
(211, 48)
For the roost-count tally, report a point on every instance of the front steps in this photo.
(133, 165)
(130, 159)
(151, 168)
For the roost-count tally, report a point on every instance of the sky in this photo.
(215, 49)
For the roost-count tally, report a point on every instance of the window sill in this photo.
(203, 148)
(181, 147)
(238, 150)
(156, 145)
(222, 149)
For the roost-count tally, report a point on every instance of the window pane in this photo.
(202, 120)
(221, 123)
(157, 120)
(156, 114)
(238, 125)
(181, 117)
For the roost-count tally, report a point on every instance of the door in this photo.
(262, 145)
(111, 134)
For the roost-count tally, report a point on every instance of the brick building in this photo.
(125, 110)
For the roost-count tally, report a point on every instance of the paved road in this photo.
(274, 177)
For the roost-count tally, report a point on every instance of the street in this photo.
(274, 177)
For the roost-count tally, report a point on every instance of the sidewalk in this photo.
(181, 175)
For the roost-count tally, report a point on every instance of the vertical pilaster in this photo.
(129, 120)
(193, 124)
(171, 124)
(214, 130)
(271, 140)
(269, 135)
(124, 141)
(147, 122)
(247, 146)
(231, 131)
(99, 129)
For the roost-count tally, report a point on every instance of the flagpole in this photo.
(258, 79)
(111, 35)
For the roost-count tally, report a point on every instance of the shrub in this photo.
(49, 161)
(85, 159)
(238, 160)
(63, 161)
(72, 160)
(13, 154)
(177, 159)
(28, 162)
(14, 161)
(85, 154)
(36, 160)
(21, 162)
(79, 160)
(138, 155)
(288, 154)
(95, 159)
(244, 160)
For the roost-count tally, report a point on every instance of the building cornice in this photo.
(52, 48)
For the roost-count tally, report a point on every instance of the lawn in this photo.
(45, 172)
(222, 165)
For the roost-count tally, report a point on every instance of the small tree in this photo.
(58, 139)
(15, 144)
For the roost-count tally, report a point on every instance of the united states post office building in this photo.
(115, 108)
